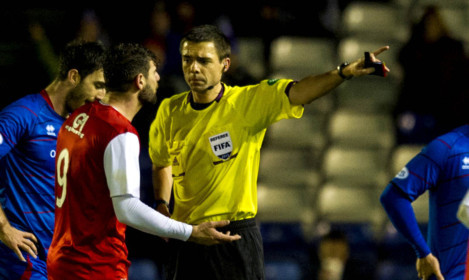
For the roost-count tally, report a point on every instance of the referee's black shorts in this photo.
(239, 260)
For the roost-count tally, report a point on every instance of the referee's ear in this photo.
(226, 64)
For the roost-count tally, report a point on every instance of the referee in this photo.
(205, 147)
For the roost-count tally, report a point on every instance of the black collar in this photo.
(201, 106)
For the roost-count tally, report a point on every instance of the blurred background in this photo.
(320, 174)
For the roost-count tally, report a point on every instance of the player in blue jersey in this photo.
(463, 216)
(442, 168)
(28, 135)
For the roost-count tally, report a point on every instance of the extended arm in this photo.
(313, 87)
(400, 212)
(133, 212)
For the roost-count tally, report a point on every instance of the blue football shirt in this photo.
(28, 137)
(442, 168)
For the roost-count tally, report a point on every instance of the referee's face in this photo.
(201, 66)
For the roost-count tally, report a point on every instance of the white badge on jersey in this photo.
(221, 145)
(403, 174)
(465, 163)
(1, 139)
(50, 130)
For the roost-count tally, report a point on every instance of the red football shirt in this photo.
(89, 241)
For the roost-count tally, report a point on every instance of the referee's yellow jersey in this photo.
(215, 152)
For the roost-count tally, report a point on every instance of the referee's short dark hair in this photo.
(209, 33)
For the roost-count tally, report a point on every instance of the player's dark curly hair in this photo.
(123, 63)
(86, 57)
(209, 33)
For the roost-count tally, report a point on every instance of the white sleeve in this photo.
(121, 165)
(133, 212)
(463, 211)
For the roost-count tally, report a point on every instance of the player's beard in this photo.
(75, 98)
(147, 95)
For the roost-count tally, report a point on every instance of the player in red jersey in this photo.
(97, 180)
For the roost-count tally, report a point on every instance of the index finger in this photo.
(380, 50)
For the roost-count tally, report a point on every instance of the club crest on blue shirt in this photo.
(221, 145)
(1, 139)
(404, 173)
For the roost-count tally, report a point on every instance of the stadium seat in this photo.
(368, 19)
(368, 94)
(353, 128)
(281, 270)
(287, 203)
(251, 55)
(308, 132)
(321, 106)
(282, 232)
(297, 57)
(362, 166)
(420, 206)
(445, 4)
(285, 249)
(286, 166)
(401, 155)
(345, 202)
(388, 270)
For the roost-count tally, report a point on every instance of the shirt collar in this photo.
(47, 98)
(217, 99)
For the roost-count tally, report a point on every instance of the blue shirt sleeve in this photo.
(423, 172)
(15, 122)
(399, 209)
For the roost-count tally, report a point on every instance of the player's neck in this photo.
(206, 96)
(57, 92)
(127, 105)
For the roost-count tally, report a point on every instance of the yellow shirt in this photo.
(215, 152)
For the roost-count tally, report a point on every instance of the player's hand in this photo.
(357, 68)
(429, 266)
(206, 234)
(18, 241)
